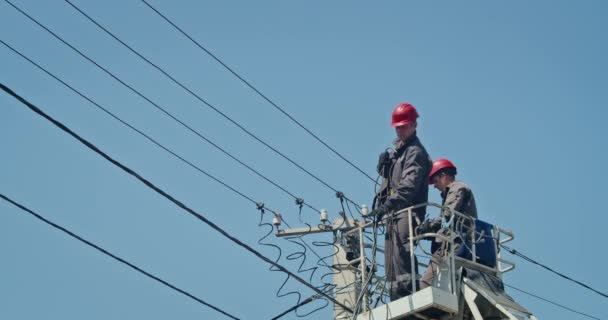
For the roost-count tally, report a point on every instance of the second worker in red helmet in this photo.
(456, 196)
(406, 171)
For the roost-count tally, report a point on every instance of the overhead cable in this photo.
(206, 103)
(307, 301)
(160, 108)
(115, 257)
(149, 138)
(552, 302)
(259, 205)
(248, 84)
(167, 196)
(299, 200)
(521, 255)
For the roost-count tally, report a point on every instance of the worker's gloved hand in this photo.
(424, 227)
(384, 162)
(378, 213)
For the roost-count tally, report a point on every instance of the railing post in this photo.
(473, 242)
(412, 255)
(363, 265)
(452, 255)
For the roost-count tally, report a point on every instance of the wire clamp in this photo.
(300, 202)
(260, 205)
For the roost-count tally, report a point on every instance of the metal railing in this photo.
(453, 221)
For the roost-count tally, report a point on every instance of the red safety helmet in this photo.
(403, 114)
(438, 165)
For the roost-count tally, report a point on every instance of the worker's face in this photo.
(405, 131)
(441, 182)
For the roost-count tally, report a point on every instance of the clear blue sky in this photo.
(513, 92)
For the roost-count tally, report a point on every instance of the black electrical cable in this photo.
(521, 255)
(161, 146)
(256, 90)
(262, 241)
(289, 257)
(115, 257)
(552, 302)
(366, 282)
(198, 97)
(132, 127)
(296, 255)
(160, 108)
(139, 131)
(295, 307)
(166, 195)
(336, 249)
(328, 286)
(302, 255)
(305, 302)
(166, 149)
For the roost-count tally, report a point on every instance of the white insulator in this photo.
(324, 216)
(277, 220)
(364, 210)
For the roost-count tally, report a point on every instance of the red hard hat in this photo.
(438, 165)
(404, 113)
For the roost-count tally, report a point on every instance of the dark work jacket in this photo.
(458, 197)
(407, 181)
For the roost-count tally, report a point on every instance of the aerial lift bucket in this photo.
(474, 292)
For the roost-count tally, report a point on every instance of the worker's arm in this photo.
(429, 225)
(454, 200)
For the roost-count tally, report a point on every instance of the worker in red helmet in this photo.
(456, 196)
(405, 170)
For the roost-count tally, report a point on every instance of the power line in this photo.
(521, 255)
(168, 196)
(247, 83)
(552, 302)
(259, 205)
(155, 142)
(307, 301)
(299, 201)
(198, 97)
(115, 257)
(295, 307)
(164, 110)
